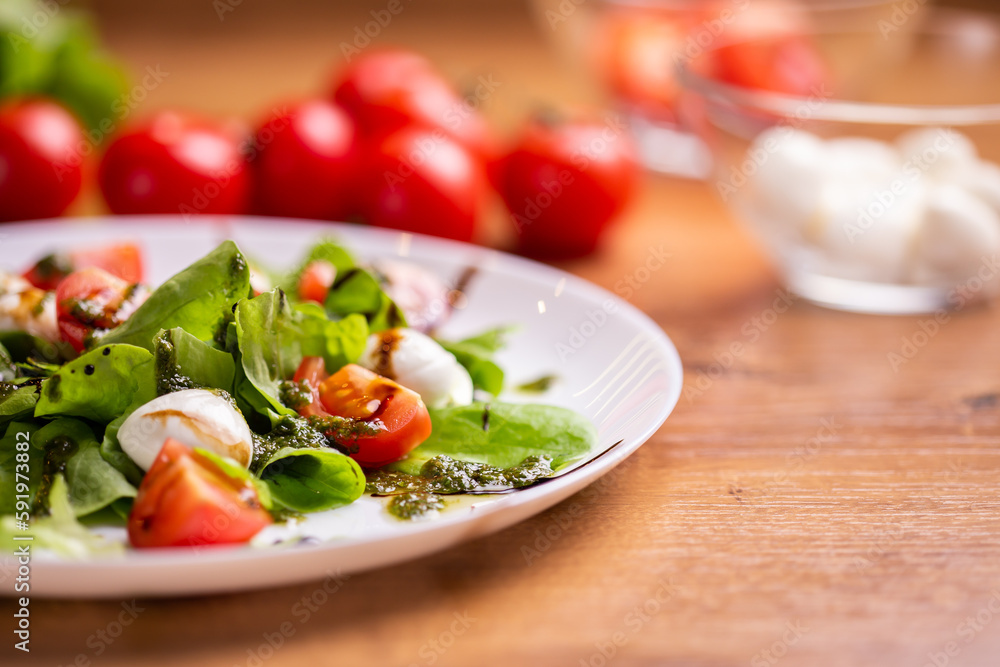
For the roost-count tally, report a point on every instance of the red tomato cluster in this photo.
(392, 144)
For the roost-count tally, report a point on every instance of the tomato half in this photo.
(123, 260)
(40, 165)
(92, 299)
(186, 500)
(396, 416)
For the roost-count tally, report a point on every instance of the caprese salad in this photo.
(230, 398)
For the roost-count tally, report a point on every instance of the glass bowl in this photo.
(877, 190)
(631, 47)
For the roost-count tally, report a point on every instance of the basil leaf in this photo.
(199, 299)
(311, 480)
(503, 435)
(358, 291)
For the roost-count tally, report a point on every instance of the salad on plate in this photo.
(231, 398)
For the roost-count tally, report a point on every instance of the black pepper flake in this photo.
(89, 369)
(107, 351)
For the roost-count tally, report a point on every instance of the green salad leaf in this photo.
(503, 435)
(18, 402)
(312, 480)
(476, 355)
(23, 347)
(236, 471)
(199, 299)
(358, 291)
(273, 337)
(100, 384)
(18, 432)
(60, 531)
(184, 362)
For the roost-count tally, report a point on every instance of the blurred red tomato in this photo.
(386, 91)
(40, 172)
(306, 162)
(423, 181)
(563, 183)
(122, 260)
(174, 163)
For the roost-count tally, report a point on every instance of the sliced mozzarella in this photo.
(24, 307)
(195, 417)
(417, 362)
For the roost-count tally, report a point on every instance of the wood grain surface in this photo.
(812, 501)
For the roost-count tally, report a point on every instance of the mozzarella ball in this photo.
(945, 155)
(862, 159)
(195, 417)
(960, 229)
(418, 363)
(24, 307)
(788, 181)
(870, 229)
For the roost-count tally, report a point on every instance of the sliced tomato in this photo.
(315, 281)
(123, 260)
(393, 420)
(312, 370)
(187, 500)
(93, 299)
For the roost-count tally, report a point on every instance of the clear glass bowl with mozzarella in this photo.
(880, 190)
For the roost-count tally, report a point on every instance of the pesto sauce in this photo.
(289, 431)
(168, 376)
(408, 506)
(295, 395)
(443, 475)
(57, 454)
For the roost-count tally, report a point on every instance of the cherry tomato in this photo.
(92, 299)
(315, 281)
(185, 499)
(389, 90)
(563, 183)
(40, 167)
(421, 181)
(306, 162)
(122, 260)
(175, 164)
(397, 414)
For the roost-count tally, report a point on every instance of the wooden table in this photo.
(806, 504)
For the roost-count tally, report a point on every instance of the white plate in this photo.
(613, 364)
